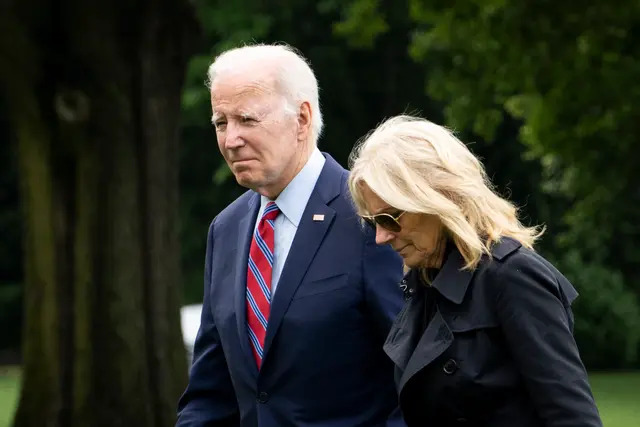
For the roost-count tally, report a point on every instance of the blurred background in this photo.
(110, 173)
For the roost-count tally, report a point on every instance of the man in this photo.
(298, 299)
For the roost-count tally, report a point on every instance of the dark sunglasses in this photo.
(384, 220)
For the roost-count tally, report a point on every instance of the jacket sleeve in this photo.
(209, 399)
(382, 272)
(537, 324)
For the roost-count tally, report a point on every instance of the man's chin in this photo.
(246, 180)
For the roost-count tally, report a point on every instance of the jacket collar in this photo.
(453, 280)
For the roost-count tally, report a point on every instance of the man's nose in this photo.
(383, 236)
(233, 137)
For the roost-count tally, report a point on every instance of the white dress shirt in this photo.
(292, 203)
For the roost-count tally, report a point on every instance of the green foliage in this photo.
(568, 71)
(607, 315)
(227, 24)
(364, 24)
(616, 396)
(539, 90)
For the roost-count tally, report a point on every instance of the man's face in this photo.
(260, 142)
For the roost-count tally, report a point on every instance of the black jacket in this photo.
(498, 350)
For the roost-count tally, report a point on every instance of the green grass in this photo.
(9, 387)
(617, 396)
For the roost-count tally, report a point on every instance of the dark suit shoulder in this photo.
(239, 205)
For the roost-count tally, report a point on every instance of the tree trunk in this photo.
(94, 90)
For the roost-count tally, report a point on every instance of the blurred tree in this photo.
(503, 155)
(93, 92)
(10, 230)
(570, 72)
(561, 79)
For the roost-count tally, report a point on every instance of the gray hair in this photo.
(294, 77)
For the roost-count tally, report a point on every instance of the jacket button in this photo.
(450, 366)
(263, 397)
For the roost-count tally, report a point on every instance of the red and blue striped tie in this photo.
(259, 280)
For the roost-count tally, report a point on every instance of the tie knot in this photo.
(271, 211)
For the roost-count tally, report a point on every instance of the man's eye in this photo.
(219, 124)
(248, 120)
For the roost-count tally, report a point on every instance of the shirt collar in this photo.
(293, 199)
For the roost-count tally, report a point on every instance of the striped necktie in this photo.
(259, 280)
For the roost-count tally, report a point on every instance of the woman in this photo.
(485, 337)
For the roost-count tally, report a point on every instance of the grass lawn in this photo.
(9, 384)
(617, 396)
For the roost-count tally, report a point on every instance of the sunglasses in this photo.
(384, 220)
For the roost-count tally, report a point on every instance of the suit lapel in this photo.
(245, 232)
(306, 243)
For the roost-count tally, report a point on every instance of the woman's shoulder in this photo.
(509, 253)
(512, 266)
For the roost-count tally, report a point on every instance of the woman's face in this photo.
(420, 240)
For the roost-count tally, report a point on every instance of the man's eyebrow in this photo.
(244, 113)
(215, 116)
(251, 112)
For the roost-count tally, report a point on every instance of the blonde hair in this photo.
(294, 77)
(420, 167)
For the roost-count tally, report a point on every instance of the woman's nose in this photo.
(383, 236)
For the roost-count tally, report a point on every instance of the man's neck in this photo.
(272, 192)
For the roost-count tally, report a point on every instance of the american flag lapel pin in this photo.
(318, 217)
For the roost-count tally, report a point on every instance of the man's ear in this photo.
(304, 121)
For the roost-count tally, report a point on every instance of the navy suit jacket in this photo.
(336, 300)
